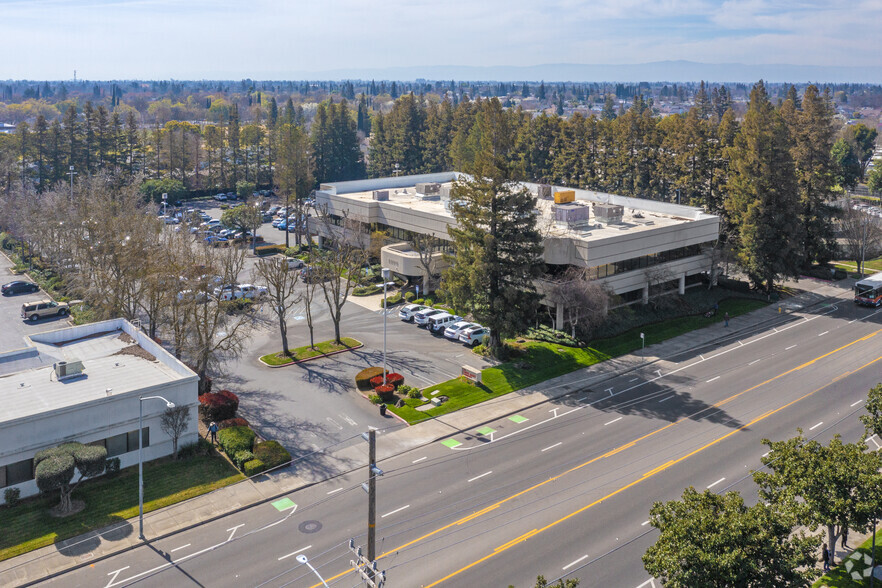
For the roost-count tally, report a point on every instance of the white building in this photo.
(628, 244)
(92, 398)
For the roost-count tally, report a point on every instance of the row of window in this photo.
(23, 471)
(644, 261)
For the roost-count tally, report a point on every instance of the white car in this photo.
(422, 317)
(439, 322)
(474, 336)
(227, 292)
(454, 330)
(407, 312)
(250, 291)
(294, 263)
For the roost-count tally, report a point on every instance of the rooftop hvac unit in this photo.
(68, 369)
(428, 188)
(380, 195)
(544, 192)
(564, 196)
(446, 191)
(609, 213)
(571, 214)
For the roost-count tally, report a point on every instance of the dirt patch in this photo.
(137, 351)
(126, 338)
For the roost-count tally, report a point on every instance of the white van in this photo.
(439, 322)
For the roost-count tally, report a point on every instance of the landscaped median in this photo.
(854, 570)
(537, 361)
(113, 499)
(323, 349)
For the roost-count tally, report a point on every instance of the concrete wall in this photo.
(402, 259)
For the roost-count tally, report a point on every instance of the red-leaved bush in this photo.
(233, 398)
(394, 379)
(236, 422)
(216, 407)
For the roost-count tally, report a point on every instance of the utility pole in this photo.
(372, 495)
(72, 173)
(366, 568)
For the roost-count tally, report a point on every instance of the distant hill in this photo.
(659, 71)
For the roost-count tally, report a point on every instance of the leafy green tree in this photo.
(245, 189)
(293, 170)
(874, 181)
(54, 469)
(863, 141)
(847, 166)
(763, 200)
(835, 486)
(154, 189)
(709, 540)
(609, 108)
(873, 419)
(498, 247)
(242, 218)
(541, 582)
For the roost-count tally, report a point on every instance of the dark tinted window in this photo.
(19, 472)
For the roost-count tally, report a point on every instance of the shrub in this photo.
(272, 454)
(216, 407)
(386, 393)
(233, 398)
(394, 379)
(12, 496)
(241, 457)
(429, 302)
(253, 467)
(375, 399)
(408, 296)
(235, 439)
(363, 378)
(112, 467)
(391, 300)
(414, 392)
(236, 422)
(418, 301)
(377, 381)
(269, 249)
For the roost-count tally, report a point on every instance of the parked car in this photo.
(19, 287)
(422, 317)
(475, 336)
(440, 322)
(220, 197)
(251, 291)
(227, 292)
(294, 263)
(453, 331)
(215, 240)
(34, 311)
(204, 216)
(190, 295)
(309, 273)
(406, 313)
(273, 209)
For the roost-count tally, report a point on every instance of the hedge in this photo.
(269, 249)
(409, 296)
(363, 378)
(236, 422)
(391, 300)
(253, 467)
(235, 439)
(214, 406)
(241, 457)
(386, 393)
(272, 454)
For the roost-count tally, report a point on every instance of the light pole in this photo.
(642, 348)
(141, 400)
(72, 173)
(302, 559)
(386, 274)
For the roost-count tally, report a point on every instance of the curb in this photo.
(359, 346)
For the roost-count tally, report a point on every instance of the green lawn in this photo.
(840, 577)
(29, 525)
(306, 352)
(548, 360)
(870, 266)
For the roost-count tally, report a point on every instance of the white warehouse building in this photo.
(628, 244)
(83, 384)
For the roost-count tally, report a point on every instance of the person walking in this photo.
(726, 319)
(825, 556)
(845, 536)
(212, 428)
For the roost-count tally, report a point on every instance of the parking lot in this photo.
(14, 328)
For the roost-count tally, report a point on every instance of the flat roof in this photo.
(114, 363)
(638, 214)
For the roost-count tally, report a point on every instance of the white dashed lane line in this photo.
(789, 348)
(179, 548)
(394, 511)
(572, 563)
(713, 379)
(420, 459)
(816, 426)
(715, 483)
(613, 421)
(856, 403)
(335, 491)
(294, 552)
(481, 476)
(553, 446)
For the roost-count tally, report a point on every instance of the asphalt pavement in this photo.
(559, 488)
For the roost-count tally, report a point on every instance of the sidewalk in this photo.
(91, 547)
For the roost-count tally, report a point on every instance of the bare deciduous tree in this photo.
(426, 246)
(280, 283)
(174, 422)
(584, 301)
(862, 234)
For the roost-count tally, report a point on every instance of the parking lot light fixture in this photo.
(386, 275)
(141, 400)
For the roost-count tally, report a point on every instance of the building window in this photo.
(117, 445)
(16, 473)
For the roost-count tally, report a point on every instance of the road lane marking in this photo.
(816, 426)
(666, 399)
(394, 511)
(518, 419)
(233, 529)
(644, 523)
(650, 582)
(481, 476)
(115, 574)
(713, 379)
(715, 483)
(766, 454)
(633, 380)
(335, 491)
(789, 348)
(628, 445)
(420, 459)
(583, 399)
(179, 548)
(295, 552)
(572, 563)
(665, 466)
(822, 334)
(754, 361)
(451, 443)
(858, 402)
(553, 446)
(613, 421)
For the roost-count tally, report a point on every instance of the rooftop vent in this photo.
(564, 196)
(428, 188)
(380, 195)
(544, 192)
(609, 213)
(571, 215)
(68, 369)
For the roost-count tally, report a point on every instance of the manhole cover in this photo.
(310, 527)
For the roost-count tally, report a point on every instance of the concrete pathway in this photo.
(86, 549)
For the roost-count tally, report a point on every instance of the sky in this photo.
(280, 39)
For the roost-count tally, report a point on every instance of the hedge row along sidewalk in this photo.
(540, 361)
(305, 353)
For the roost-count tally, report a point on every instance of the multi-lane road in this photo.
(561, 489)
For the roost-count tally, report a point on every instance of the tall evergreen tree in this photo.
(764, 200)
(498, 247)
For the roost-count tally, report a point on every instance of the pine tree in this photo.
(498, 247)
(609, 108)
(764, 201)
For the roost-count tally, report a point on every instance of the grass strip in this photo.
(111, 500)
(540, 361)
(307, 352)
(841, 577)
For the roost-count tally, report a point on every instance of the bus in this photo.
(868, 292)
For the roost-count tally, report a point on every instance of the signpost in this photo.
(472, 374)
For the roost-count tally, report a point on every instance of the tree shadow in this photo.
(117, 530)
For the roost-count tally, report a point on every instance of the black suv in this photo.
(19, 287)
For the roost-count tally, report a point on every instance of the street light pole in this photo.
(386, 273)
(141, 400)
(72, 173)
(303, 559)
(642, 348)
